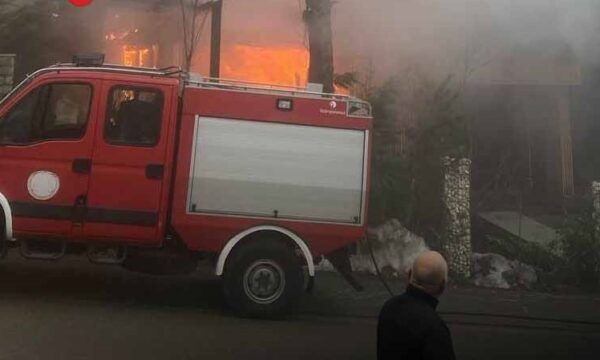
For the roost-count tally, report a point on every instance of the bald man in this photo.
(409, 327)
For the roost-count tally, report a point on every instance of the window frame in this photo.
(109, 105)
(40, 88)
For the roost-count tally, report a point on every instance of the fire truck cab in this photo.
(153, 170)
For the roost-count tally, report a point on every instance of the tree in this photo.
(346, 80)
(43, 32)
(193, 15)
(318, 21)
(7, 8)
(408, 185)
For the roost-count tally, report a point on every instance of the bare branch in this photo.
(192, 26)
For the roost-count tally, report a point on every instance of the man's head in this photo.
(429, 273)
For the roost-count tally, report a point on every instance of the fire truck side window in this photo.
(134, 116)
(51, 112)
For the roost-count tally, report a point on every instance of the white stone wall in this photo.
(457, 214)
(596, 202)
(7, 70)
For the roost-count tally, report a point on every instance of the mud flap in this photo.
(340, 259)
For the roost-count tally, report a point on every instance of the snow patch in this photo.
(496, 271)
(394, 248)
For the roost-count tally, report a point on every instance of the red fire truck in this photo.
(154, 170)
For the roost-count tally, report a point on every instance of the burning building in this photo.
(140, 34)
(150, 34)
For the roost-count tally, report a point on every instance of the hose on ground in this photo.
(385, 284)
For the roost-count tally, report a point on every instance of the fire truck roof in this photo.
(191, 80)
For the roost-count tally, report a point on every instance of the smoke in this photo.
(439, 36)
(263, 22)
(445, 36)
(383, 36)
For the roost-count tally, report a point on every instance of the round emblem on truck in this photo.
(333, 105)
(80, 3)
(43, 185)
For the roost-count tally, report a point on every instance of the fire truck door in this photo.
(46, 141)
(128, 164)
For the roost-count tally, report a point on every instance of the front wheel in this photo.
(263, 279)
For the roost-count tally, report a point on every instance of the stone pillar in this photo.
(596, 202)
(7, 70)
(457, 215)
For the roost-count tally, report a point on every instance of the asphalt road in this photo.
(73, 310)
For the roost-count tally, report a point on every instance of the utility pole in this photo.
(215, 39)
(318, 21)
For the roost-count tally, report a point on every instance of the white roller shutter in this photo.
(272, 169)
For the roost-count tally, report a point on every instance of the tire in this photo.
(263, 279)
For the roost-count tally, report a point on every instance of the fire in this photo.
(128, 48)
(139, 56)
(280, 65)
(277, 65)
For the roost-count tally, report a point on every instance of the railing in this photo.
(241, 85)
(168, 71)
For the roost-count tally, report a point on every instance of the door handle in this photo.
(82, 166)
(155, 171)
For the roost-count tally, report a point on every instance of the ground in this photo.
(74, 310)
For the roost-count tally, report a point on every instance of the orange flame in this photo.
(277, 65)
(273, 65)
(139, 56)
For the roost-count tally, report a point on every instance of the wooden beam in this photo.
(318, 22)
(215, 38)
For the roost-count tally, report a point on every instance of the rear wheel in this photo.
(263, 279)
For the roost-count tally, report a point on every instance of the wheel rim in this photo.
(264, 281)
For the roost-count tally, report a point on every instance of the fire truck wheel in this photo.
(263, 279)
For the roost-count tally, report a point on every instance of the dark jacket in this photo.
(410, 328)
